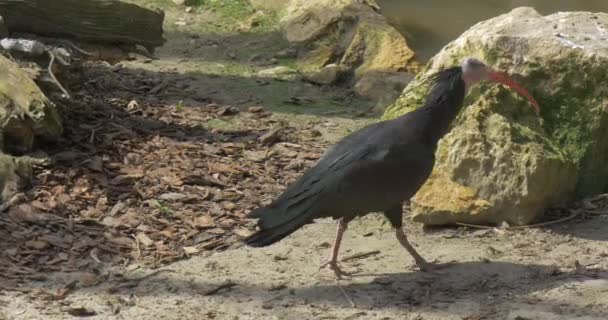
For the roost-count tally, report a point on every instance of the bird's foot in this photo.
(333, 266)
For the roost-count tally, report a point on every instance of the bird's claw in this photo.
(333, 266)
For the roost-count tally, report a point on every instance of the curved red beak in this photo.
(503, 78)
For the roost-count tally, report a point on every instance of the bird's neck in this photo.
(439, 114)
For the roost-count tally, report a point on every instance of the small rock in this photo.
(256, 109)
(329, 74)
(189, 9)
(382, 87)
(280, 72)
(267, 305)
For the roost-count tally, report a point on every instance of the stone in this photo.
(501, 162)
(329, 74)
(280, 72)
(346, 32)
(25, 112)
(382, 87)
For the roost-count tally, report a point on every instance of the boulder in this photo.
(501, 162)
(25, 112)
(382, 87)
(348, 33)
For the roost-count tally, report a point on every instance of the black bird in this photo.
(377, 168)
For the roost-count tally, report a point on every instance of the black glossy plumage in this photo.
(373, 169)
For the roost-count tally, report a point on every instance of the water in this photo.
(430, 24)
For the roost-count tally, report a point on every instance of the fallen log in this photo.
(97, 21)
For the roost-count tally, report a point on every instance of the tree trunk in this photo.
(98, 21)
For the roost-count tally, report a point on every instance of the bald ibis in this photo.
(377, 168)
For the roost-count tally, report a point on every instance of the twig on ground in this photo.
(52, 75)
(574, 214)
(226, 285)
(361, 255)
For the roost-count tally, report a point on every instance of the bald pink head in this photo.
(474, 71)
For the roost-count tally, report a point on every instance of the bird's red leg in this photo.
(420, 261)
(333, 259)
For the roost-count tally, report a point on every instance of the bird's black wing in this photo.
(302, 195)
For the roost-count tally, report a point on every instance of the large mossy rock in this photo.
(501, 162)
(25, 112)
(348, 33)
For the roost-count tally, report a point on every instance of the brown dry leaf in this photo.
(81, 312)
(27, 213)
(229, 206)
(271, 136)
(37, 244)
(111, 222)
(169, 232)
(144, 240)
(222, 168)
(203, 222)
(133, 267)
(92, 213)
(173, 180)
(119, 240)
(309, 155)
(204, 180)
(191, 250)
(173, 196)
(255, 156)
(63, 198)
(117, 208)
(216, 231)
(39, 205)
(95, 163)
(131, 218)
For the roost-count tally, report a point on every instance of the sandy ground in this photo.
(527, 274)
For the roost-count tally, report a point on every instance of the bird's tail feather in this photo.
(266, 237)
(278, 221)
